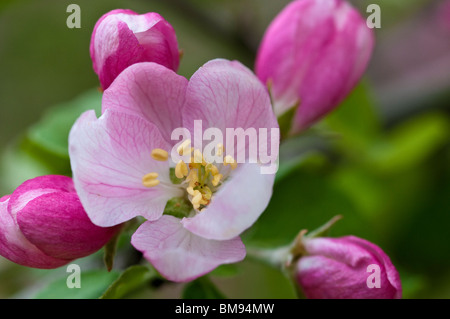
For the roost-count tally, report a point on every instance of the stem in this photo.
(274, 257)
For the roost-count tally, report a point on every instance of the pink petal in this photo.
(15, 247)
(225, 94)
(109, 157)
(151, 91)
(180, 255)
(235, 207)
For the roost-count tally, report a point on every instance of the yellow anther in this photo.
(219, 149)
(198, 157)
(204, 202)
(229, 160)
(190, 190)
(149, 177)
(216, 179)
(150, 183)
(214, 170)
(192, 178)
(181, 169)
(159, 154)
(196, 198)
(185, 148)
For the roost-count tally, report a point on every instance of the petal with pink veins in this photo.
(150, 91)
(109, 157)
(225, 94)
(180, 255)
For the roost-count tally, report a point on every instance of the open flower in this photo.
(43, 225)
(346, 268)
(312, 55)
(122, 168)
(123, 37)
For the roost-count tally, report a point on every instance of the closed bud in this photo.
(311, 57)
(44, 225)
(346, 268)
(123, 37)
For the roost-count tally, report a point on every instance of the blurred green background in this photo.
(381, 160)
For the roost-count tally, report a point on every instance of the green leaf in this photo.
(52, 131)
(201, 288)
(93, 284)
(130, 280)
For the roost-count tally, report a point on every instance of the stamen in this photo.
(229, 160)
(185, 148)
(214, 170)
(220, 149)
(190, 190)
(181, 169)
(192, 178)
(150, 176)
(159, 154)
(207, 193)
(216, 179)
(198, 157)
(150, 183)
(196, 199)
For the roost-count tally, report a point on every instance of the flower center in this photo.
(198, 177)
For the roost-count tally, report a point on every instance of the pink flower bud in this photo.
(123, 37)
(312, 55)
(43, 225)
(346, 268)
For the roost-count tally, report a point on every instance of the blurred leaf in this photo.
(93, 284)
(294, 151)
(201, 288)
(355, 119)
(426, 230)
(130, 280)
(52, 131)
(23, 160)
(304, 200)
(226, 270)
(256, 280)
(410, 143)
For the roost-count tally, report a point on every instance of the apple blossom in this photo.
(346, 268)
(122, 168)
(43, 225)
(123, 37)
(312, 55)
